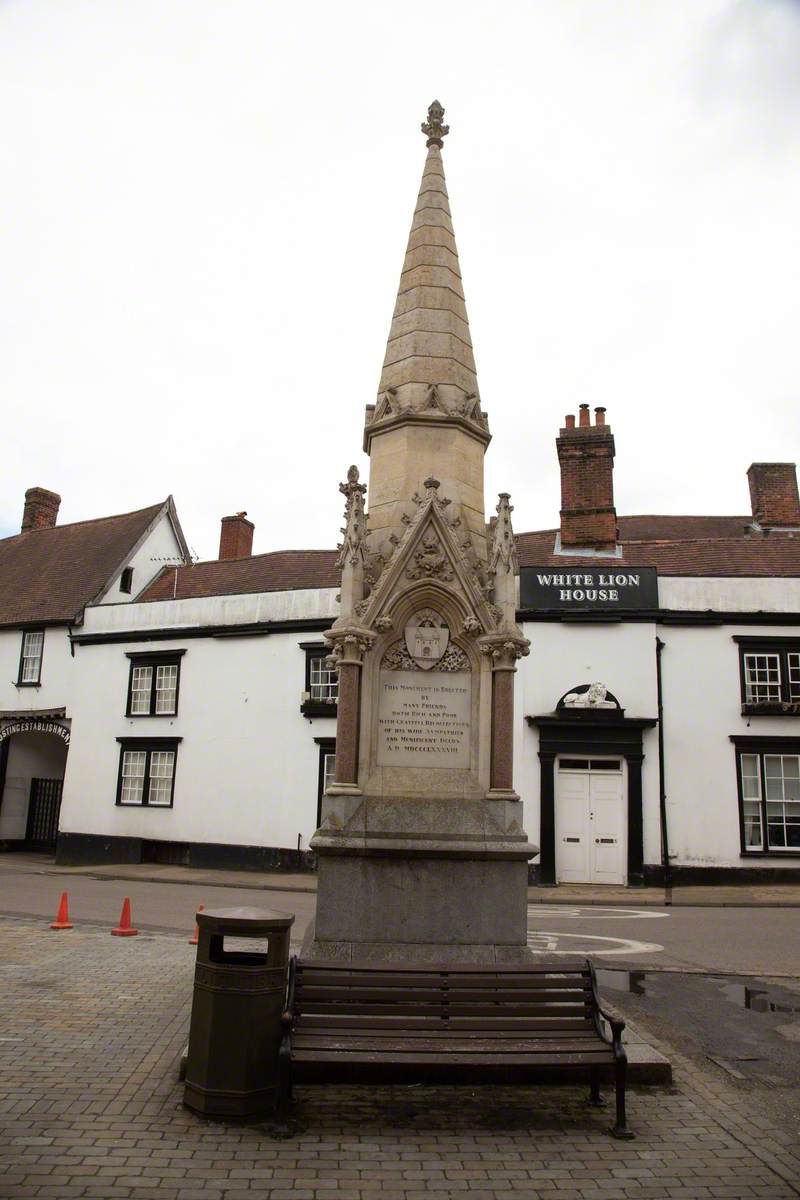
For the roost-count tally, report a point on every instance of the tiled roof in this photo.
(679, 529)
(675, 545)
(51, 574)
(281, 571)
(776, 554)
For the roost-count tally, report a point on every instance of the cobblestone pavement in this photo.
(91, 1028)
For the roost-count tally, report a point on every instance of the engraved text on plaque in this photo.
(424, 719)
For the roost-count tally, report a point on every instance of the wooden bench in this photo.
(362, 1023)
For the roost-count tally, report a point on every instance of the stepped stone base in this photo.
(420, 909)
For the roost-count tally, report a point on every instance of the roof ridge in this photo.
(210, 562)
(89, 520)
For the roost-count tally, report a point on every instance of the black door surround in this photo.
(590, 732)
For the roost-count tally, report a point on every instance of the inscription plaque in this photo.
(424, 719)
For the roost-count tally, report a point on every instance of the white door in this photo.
(590, 828)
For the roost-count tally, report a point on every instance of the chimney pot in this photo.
(569, 421)
(41, 509)
(599, 416)
(588, 516)
(235, 537)
(774, 498)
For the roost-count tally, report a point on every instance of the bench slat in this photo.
(401, 1047)
(567, 966)
(442, 979)
(389, 995)
(509, 1011)
(391, 1024)
(549, 1058)
(335, 1029)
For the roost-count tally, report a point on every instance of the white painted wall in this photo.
(702, 708)
(245, 609)
(729, 595)
(30, 755)
(247, 769)
(564, 656)
(159, 547)
(54, 691)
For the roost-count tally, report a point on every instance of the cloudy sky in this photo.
(205, 205)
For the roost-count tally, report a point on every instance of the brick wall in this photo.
(586, 458)
(773, 494)
(236, 537)
(41, 509)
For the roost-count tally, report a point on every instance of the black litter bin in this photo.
(235, 1033)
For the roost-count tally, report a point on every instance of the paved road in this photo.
(732, 940)
(155, 906)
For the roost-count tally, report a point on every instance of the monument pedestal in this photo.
(404, 879)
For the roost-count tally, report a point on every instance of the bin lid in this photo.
(244, 921)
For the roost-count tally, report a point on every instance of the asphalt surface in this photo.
(757, 941)
(156, 906)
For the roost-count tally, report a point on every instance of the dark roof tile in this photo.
(49, 575)
(280, 571)
(776, 554)
(674, 545)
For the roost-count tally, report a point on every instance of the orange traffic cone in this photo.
(196, 937)
(125, 929)
(62, 920)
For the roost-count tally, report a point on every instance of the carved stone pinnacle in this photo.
(433, 127)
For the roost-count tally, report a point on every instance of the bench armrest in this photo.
(289, 1010)
(617, 1024)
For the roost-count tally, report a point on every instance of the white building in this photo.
(691, 624)
(49, 574)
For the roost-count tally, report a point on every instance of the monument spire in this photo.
(428, 415)
(429, 345)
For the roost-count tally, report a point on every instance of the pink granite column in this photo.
(504, 666)
(347, 723)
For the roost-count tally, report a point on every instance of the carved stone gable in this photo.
(430, 561)
(433, 549)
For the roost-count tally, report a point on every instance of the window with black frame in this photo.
(146, 776)
(769, 670)
(769, 795)
(321, 689)
(153, 683)
(30, 658)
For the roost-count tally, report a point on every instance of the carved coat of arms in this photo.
(427, 637)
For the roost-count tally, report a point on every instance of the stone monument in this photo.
(421, 851)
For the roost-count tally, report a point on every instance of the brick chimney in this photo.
(41, 509)
(586, 458)
(236, 537)
(773, 495)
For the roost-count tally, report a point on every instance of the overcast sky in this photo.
(205, 205)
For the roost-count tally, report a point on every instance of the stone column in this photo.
(504, 666)
(347, 716)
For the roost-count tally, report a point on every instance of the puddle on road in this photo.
(756, 999)
(632, 982)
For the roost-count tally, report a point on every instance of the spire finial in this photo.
(433, 127)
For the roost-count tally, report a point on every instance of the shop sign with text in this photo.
(593, 588)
